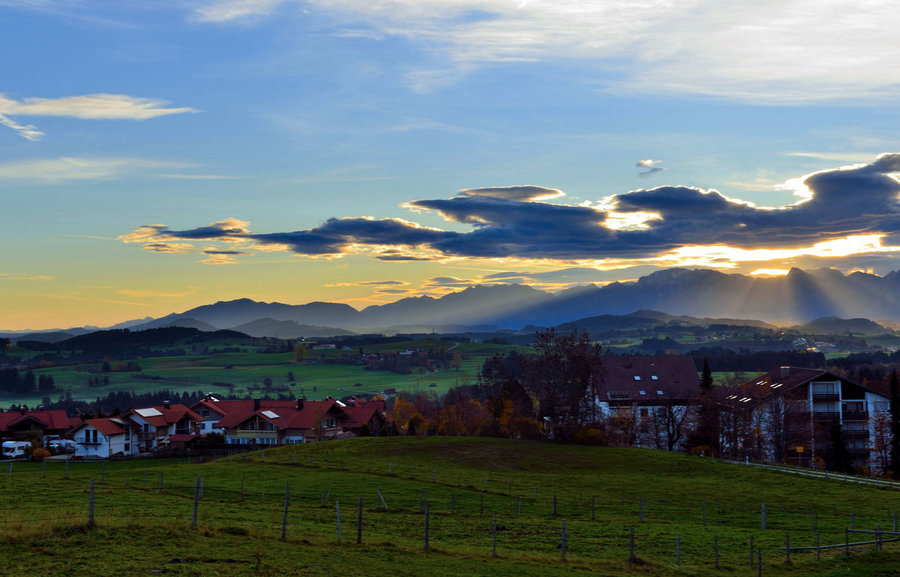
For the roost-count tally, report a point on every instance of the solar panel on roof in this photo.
(271, 414)
(151, 412)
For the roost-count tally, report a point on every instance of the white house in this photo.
(104, 438)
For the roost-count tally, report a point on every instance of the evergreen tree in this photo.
(705, 436)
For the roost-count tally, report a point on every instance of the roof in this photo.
(632, 377)
(163, 416)
(47, 419)
(282, 414)
(785, 379)
(358, 416)
(107, 426)
(236, 412)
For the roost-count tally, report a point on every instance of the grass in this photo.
(314, 378)
(600, 492)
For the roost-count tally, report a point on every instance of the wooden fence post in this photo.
(359, 512)
(337, 511)
(751, 551)
(678, 549)
(716, 547)
(562, 545)
(196, 501)
(762, 524)
(631, 556)
(494, 533)
(91, 509)
(427, 518)
(287, 500)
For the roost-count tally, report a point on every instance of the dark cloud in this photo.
(223, 252)
(448, 282)
(572, 275)
(511, 222)
(653, 170)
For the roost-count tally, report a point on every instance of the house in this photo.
(366, 417)
(156, 424)
(802, 416)
(645, 400)
(299, 422)
(268, 422)
(16, 425)
(105, 438)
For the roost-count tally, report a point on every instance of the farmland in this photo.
(144, 513)
(243, 371)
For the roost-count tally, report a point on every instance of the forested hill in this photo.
(122, 343)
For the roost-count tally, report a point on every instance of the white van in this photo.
(62, 446)
(15, 449)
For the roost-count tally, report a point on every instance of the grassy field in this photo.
(314, 377)
(144, 513)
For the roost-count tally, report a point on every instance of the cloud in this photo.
(651, 167)
(519, 193)
(848, 210)
(67, 168)
(653, 170)
(26, 131)
(236, 10)
(375, 283)
(749, 51)
(87, 107)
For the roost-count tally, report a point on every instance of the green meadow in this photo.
(680, 508)
(316, 376)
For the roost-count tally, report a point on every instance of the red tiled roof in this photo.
(107, 426)
(624, 377)
(48, 419)
(168, 415)
(358, 416)
(282, 414)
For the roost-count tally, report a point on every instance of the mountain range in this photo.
(795, 298)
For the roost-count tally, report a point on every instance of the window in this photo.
(654, 377)
(645, 412)
(637, 377)
(643, 393)
(658, 392)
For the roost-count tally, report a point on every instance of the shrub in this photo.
(40, 454)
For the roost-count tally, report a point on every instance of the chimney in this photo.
(167, 404)
(255, 404)
(785, 372)
(300, 404)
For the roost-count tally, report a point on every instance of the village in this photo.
(791, 415)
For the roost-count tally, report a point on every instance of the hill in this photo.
(461, 489)
(835, 325)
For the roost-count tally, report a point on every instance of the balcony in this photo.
(825, 397)
(855, 415)
(826, 415)
(855, 434)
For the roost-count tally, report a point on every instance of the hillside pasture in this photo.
(144, 513)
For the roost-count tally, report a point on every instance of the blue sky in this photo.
(156, 156)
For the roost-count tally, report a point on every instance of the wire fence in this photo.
(318, 502)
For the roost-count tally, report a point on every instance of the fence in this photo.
(414, 508)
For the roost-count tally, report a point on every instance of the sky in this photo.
(160, 155)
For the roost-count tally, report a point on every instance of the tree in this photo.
(562, 376)
(837, 456)
(895, 424)
(705, 436)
